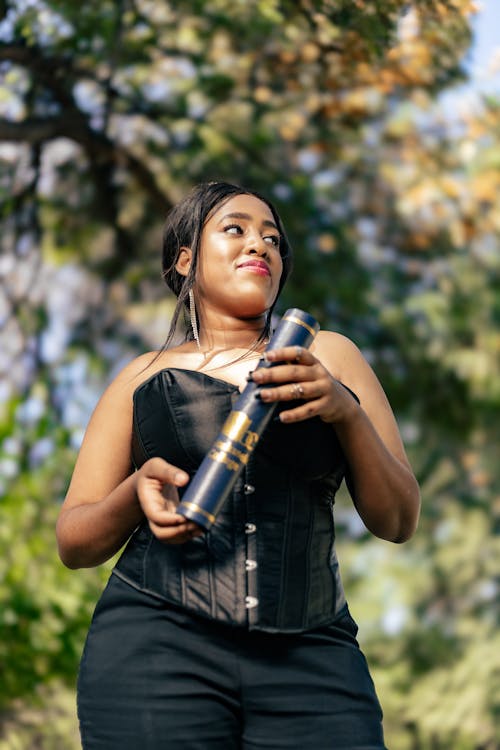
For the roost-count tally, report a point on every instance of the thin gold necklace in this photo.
(254, 349)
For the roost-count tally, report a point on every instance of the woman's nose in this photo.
(257, 245)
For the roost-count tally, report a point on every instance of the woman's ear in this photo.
(184, 261)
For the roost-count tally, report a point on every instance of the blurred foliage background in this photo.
(109, 112)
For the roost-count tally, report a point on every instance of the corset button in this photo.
(250, 602)
(250, 528)
(250, 565)
(248, 489)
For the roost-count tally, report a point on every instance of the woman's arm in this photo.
(381, 481)
(106, 499)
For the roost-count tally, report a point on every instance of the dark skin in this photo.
(237, 282)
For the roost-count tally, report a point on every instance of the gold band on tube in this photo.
(300, 322)
(201, 511)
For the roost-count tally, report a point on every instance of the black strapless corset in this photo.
(269, 562)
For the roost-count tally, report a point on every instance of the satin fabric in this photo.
(269, 562)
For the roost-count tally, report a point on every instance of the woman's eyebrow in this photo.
(248, 217)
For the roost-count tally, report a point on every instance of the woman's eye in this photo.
(236, 229)
(272, 239)
(233, 229)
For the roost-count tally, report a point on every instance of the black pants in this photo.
(156, 678)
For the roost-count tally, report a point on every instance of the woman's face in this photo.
(240, 265)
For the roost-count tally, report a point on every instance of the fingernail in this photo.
(180, 476)
(264, 394)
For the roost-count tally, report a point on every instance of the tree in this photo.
(108, 113)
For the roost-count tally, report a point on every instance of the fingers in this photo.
(157, 468)
(297, 376)
(313, 393)
(295, 380)
(178, 533)
(297, 390)
(166, 524)
(296, 354)
(156, 488)
(292, 392)
(286, 373)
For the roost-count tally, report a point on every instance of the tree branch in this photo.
(34, 129)
(97, 146)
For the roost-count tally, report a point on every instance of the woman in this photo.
(239, 638)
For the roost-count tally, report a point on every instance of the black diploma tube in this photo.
(222, 465)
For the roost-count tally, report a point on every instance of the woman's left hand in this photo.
(303, 377)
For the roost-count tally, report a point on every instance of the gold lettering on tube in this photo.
(228, 447)
(236, 425)
(222, 458)
(250, 440)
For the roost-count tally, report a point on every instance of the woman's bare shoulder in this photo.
(145, 366)
(338, 353)
(334, 339)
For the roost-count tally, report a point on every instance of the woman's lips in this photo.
(256, 266)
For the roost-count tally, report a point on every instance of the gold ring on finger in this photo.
(297, 390)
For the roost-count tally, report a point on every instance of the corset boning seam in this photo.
(173, 418)
(137, 440)
(307, 587)
(281, 614)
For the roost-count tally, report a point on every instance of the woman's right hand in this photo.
(156, 488)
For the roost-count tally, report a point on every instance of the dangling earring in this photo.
(192, 317)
